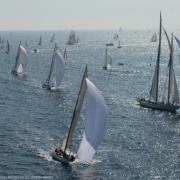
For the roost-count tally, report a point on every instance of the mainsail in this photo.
(155, 82)
(77, 109)
(72, 38)
(154, 38)
(2, 44)
(52, 38)
(65, 55)
(7, 48)
(60, 67)
(95, 125)
(108, 59)
(40, 41)
(56, 72)
(173, 96)
(21, 60)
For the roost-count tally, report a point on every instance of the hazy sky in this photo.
(87, 14)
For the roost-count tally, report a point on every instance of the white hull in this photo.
(16, 73)
(107, 67)
(158, 105)
(52, 88)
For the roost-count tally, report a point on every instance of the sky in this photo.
(87, 14)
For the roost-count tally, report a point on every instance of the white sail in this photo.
(176, 94)
(72, 38)
(7, 47)
(65, 55)
(52, 38)
(108, 60)
(153, 92)
(154, 38)
(59, 66)
(40, 41)
(2, 44)
(21, 60)
(95, 125)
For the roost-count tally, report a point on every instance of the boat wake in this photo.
(44, 154)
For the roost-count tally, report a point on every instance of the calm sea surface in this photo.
(139, 143)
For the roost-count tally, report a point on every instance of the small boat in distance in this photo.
(119, 44)
(21, 61)
(56, 72)
(40, 41)
(116, 36)
(154, 38)
(108, 58)
(171, 101)
(72, 38)
(7, 47)
(26, 44)
(65, 55)
(52, 38)
(94, 129)
(2, 44)
(177, 41)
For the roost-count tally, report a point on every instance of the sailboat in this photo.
(108, 59)
(116, 36)
(21, 61)
(40, 41)
(52, 38)
(119, 44)
(154, 37)
(2, 44)
(7, 48)
(56, 72)
(65, 55)
(171, 101)
(94, 128)
(72, 38)
(26, 44)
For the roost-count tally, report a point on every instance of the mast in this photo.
(158, 58)
(77, 109)
(40, 41)
(106, 58)
(170, 68)
(17, 57)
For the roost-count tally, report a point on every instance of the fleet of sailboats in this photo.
(94, 129)
(171, 101)
(21, 61)
(56, 72)
(97, 111)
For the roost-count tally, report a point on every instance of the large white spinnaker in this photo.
(95, 124)
(59, 66)
(21, 60)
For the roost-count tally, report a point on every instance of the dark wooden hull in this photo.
(159, 105)
(60, 158)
